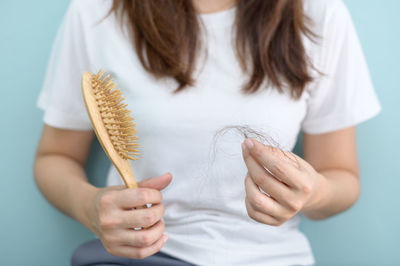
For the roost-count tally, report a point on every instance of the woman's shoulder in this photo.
(325, 14)
(322, 7)
(92, 4)
(91, 10)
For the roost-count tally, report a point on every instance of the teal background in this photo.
(32, 232)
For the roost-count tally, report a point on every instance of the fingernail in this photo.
(165, 238)
(249, 144)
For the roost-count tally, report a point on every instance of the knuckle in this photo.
(278, 169)
(140, 254)
(249, 209)
(257, 179)
(292, 158)
(145, 240)
(107, 200)
(252, 214)
(295, 204)
(149, 218)
(143, 196)
(109, 222)
(256, 202)
(306, 188)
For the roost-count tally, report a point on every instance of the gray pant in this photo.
(92, 253)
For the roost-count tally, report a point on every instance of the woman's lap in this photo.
(93, 253)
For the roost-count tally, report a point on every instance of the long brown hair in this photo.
(269, 33)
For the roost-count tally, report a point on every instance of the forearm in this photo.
(338, 191)
(64, 184)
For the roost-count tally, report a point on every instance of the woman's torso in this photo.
(205, 214)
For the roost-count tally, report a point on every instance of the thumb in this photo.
(246, 148)
(159, 182)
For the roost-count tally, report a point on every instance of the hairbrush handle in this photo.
(125, 170)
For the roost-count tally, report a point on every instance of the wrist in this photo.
(85, 209)
(316, 200)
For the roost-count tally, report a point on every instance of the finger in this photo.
(134, 197)
(142, 238)
(265, 180)
(260, 217)
(274, 160)
(261, 202)
(274, 188)
(159, 182)
(140, 253)
(145, 217)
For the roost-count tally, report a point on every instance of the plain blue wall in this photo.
(32, 232)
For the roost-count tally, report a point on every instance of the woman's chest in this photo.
(212, 104)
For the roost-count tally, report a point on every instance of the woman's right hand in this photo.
(113, 218)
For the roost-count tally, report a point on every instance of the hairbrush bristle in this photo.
(115, 116)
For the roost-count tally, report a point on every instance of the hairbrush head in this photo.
(115, 115)
(111, 121)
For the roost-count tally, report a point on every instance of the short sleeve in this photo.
(61, 97)
(343, 94)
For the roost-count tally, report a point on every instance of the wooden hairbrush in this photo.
(112, 122)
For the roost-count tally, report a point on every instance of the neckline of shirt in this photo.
(219, 19)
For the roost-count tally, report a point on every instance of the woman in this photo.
(191, 70)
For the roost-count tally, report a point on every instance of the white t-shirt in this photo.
(205, 214)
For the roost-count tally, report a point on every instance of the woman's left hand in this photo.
(291, 183)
